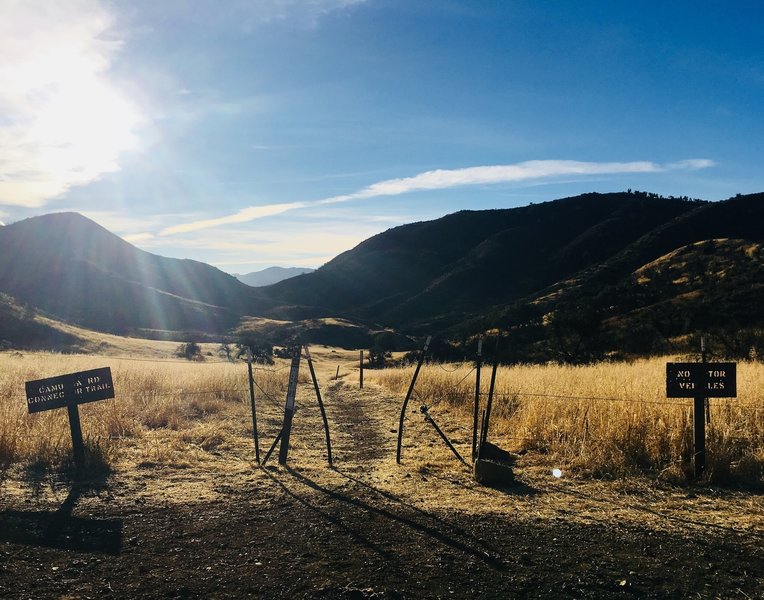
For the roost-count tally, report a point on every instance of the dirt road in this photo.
(369, 528)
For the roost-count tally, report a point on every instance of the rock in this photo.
(487, 472)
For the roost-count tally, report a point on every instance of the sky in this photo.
(252, 133)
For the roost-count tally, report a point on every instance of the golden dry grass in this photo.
(168, 409)
(608, 419)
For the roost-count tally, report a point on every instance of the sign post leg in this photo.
(78, 446)
(699, 419)
(699, 435)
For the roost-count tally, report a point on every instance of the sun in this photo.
(66, 114)
(83, 127)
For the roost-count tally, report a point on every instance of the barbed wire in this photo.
(443, 397)
(454, 370)
(675, 403)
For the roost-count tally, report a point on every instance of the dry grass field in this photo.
(607, 419)
(167, 410)
(174, 505)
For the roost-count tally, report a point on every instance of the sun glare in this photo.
(65, 121)
(83, 127)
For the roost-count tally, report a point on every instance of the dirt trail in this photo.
(370, 528)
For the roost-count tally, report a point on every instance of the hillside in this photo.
(70, 267)
(573, 279)
(560, 276)
(21, 328)
(437, 273)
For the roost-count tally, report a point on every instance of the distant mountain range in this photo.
(271, 275)
(578, 277)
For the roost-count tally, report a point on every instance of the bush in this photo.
(190, 351)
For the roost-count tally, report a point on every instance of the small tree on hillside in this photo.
(190, 351)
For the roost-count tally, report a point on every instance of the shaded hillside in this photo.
(715, 287)
(701, 273)
(433, 275)
(68, 266)
(21, 329)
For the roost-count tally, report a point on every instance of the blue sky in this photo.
(283, 132)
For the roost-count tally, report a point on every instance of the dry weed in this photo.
(608, 419)
(162, 407)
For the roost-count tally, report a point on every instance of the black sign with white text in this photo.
(71, 389)
(706, 380)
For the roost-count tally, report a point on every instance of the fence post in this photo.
(289, 407)
(408, 397)
(360, 364)
(478, 363)
(489, 404)
(252, 402)
(320, 404)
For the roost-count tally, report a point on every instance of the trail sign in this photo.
(701, 381)
(707, 380)
(75, 388)
(70, 391)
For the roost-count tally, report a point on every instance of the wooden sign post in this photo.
(700, 381)
(70, 391)
(289, 406)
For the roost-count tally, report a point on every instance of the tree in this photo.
(190, 351)
(381, 349)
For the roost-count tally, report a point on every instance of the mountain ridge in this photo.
(556, 275)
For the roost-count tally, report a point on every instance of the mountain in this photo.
(74, 269)
(433, 275)
(271, 275)
(563, 277)
(579, 278)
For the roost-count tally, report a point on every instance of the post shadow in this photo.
(59, 529)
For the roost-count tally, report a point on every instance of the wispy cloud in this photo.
(533, 170)
(138, 238)
(63, 122)
(248, 15)
(441, 179)
(247, 214)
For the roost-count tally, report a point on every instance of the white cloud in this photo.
(63, 122)
(528, 172)
(138, 238)
(691, 164)
(247, 15)
(247, 214)
(533, 170)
